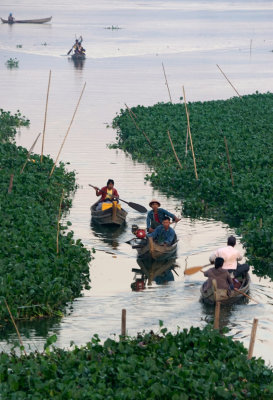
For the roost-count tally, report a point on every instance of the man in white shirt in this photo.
(231, 257)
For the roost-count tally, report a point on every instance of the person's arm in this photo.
(171, 236)
(154, 234)
(115, 193)
(206, 273)
(212, 258)
(148, 220)
(239, 256)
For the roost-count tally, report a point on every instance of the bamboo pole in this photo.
(10, 183)
(136, 125)
(166, 81)
(229, 164)
(179, 163)
(229, 81)
(15, 326)
(30, 150)
(58, 224)
(189, 133)
(252, 338)
(43, 141)
(67, 131)
(217, 315)
(123, 322)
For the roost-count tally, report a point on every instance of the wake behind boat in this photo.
(26, 21)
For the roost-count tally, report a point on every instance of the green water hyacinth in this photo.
(34, 279)
(188, 365)
(247, 124)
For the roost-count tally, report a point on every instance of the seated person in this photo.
(10, 18)
(164, 234)
(222, 277)
(108, 193)
(156, 215)
(231, 257)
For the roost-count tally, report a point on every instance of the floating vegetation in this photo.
(35, 280)
(113, 27)
(247, 124)
(44, 44)
(192, 364)
(12, 63)
(19, 46)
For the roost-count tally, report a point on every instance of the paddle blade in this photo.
(137, 207)
(193, 270)
(69, 51)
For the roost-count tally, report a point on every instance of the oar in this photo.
(193, 270)
(135, 206)
(251, 298)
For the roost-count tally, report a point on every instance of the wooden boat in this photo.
(210, 296)
(112, 215)
(149, 248)
(77, 56)
(26, 21)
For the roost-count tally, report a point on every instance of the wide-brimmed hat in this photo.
(154, 201)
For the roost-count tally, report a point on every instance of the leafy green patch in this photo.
(34, 279)
(12, 63)
(247, 124)
(194, 364)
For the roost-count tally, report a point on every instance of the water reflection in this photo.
(158, 271)
(78, 62)
(108, 234)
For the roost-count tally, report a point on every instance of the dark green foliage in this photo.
(189, 365)
(31, 273)
(247, 124)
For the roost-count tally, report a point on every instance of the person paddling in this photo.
(156, 215)
(108, 193)
(222, 277)
(164, 234)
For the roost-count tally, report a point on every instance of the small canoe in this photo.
(208, 296)
(149, 248)
(27, 21)
(111, 216)
(77, 57)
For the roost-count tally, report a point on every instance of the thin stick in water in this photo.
(252, 338)
(43, 141)
(217, 315)
(15, 326)
(167, 83)
(179, 163)
(30, 150)
(229, 164)
(123, 322)
(189, 133)
(67, 131)
(229, 81)
(58, 224)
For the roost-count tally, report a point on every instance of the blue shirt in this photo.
(161, 236)
(161, 214)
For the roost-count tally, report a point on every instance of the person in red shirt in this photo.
(107, 193)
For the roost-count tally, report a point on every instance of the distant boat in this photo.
(26, 21)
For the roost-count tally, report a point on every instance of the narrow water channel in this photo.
(111, 82)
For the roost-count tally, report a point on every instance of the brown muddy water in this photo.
(134, 78)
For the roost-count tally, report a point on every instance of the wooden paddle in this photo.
(251, 298)
(135, 206)
(70, 50)
(193, 270)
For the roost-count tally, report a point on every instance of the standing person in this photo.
(221, 275)
(156, 216)
(108, 193)
(164, 234)
(231, 257)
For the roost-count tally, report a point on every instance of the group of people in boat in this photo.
(77, 47)
(226, 268)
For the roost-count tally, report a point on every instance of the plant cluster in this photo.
(113, 27)
(34, 279)
(12, 63)
(189, 365)
(247, 124)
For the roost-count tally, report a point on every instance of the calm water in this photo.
(125, 66)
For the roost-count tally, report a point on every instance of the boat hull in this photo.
(156, 252)
(27, 21)
(108, 217)
(77, 57)
(208, 297)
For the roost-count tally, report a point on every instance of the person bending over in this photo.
(221, 275)
(164, 234)
(156, 216)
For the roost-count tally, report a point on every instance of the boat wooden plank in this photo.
(106, 217)
(27, 21)
(158, 252)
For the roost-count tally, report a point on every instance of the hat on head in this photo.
(154, 201)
